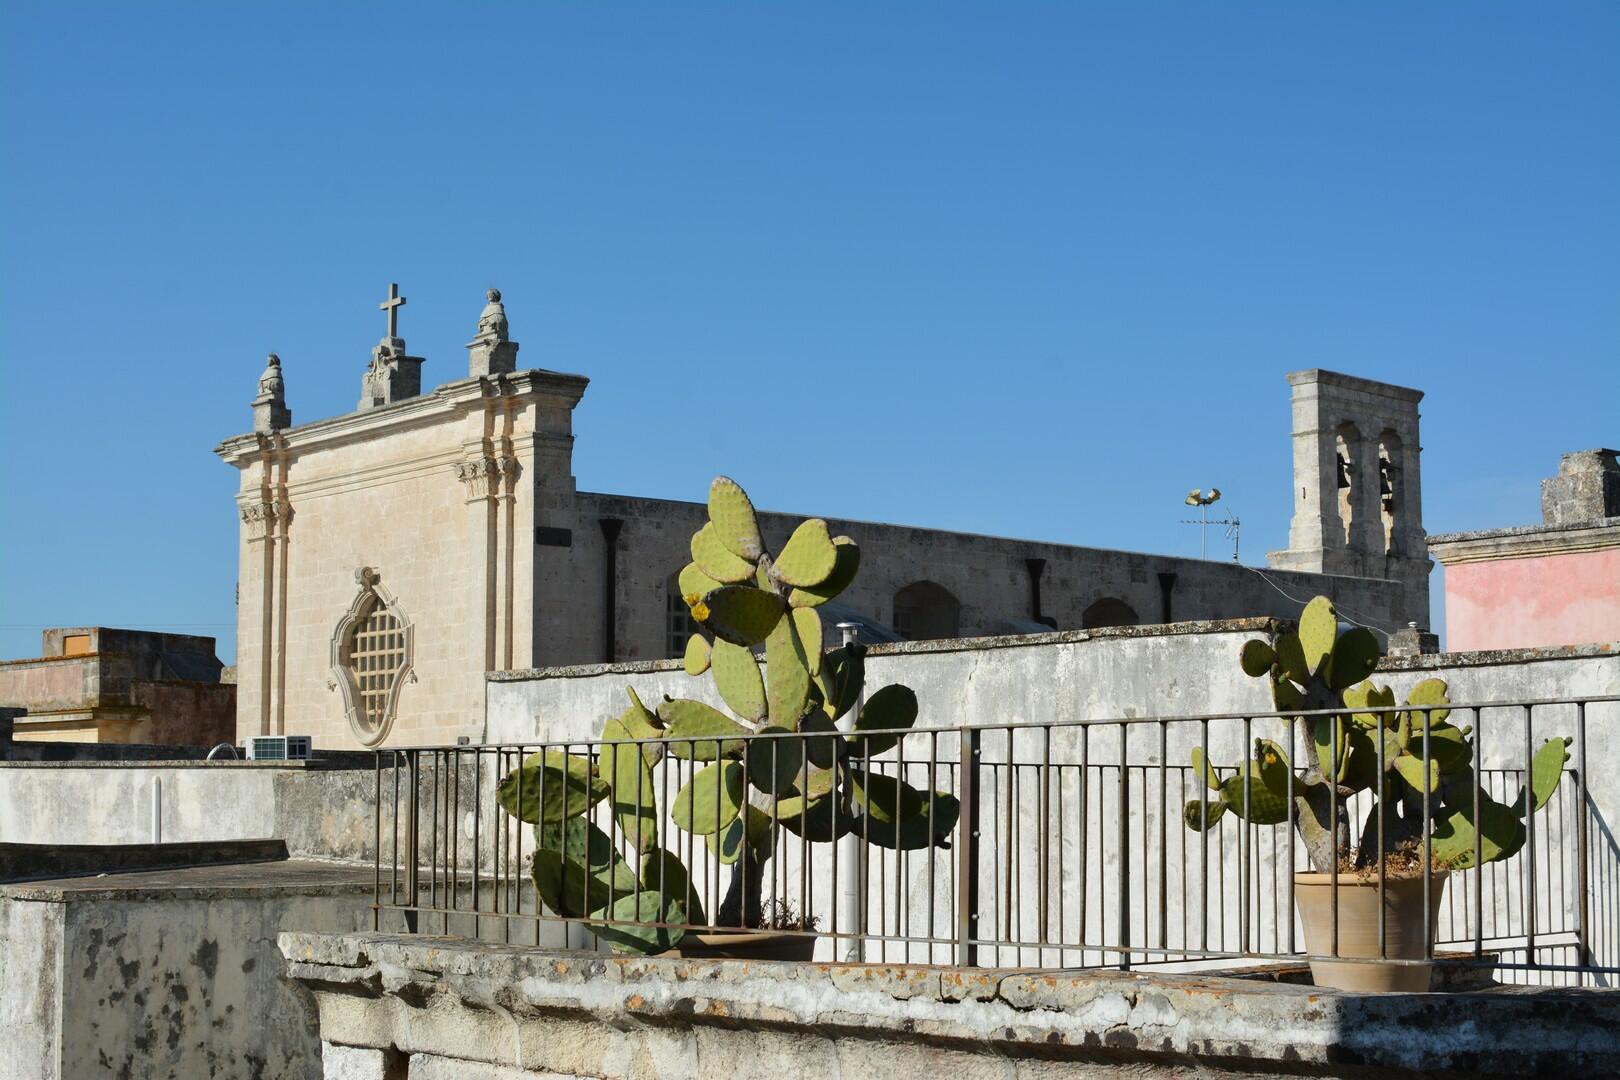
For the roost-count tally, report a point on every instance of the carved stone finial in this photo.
(392, 375)
(492, 350)
(270, 412)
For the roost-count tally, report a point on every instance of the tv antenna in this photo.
(1196, 497)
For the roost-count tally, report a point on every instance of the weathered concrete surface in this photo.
(166, 974)
(324, 813)
(471, 1010)
(22, 861)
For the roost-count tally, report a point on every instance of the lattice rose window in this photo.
(371, 657)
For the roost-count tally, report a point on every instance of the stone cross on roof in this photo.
(392, 306)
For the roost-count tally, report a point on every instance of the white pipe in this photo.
(157, 809)
(851, 864)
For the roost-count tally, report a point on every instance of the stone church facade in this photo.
(361, 632)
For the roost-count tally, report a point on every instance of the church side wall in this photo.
(987, 575)
(440, 508)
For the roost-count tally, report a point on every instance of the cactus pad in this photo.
(788, 670)
(847, 562)
(1256, 658)
(710, 800)
(741, 614)
(736, 676)
(687, 719)
(808, 558)
(712, 557)
(696, 660)
(732, 515)
(891, 710)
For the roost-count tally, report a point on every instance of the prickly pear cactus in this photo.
(1399, 753)
(746, 600)
(742, 791)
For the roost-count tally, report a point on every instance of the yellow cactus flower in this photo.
(700, 611)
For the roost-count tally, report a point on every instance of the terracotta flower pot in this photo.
(1358, 929)
(745, 945)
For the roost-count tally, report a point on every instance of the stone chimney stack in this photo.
(1587, 488)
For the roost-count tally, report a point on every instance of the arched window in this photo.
(924, 610)
(1389, 489)
(1109, 611)
(371, 656)
(678, 622)
(1347, 451)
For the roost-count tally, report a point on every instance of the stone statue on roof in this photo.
(492, 350)
(492, 325)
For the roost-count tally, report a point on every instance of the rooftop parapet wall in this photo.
(449, 1009)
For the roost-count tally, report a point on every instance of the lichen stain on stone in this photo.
(207, 957)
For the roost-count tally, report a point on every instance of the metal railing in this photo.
(1070, 850)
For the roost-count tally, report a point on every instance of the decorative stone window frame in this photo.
(371, 593)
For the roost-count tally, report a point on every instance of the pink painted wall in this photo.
(1544, 600)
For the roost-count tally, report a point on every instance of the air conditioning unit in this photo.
(278, 748)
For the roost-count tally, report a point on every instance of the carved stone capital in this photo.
(478, 474)
(266, 515)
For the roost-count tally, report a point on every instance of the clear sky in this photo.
(1026, 269)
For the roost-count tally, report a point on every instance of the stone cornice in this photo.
(450, 400)
(1353, 382)
(1525, 542)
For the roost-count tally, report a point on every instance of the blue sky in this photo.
(1027, 269)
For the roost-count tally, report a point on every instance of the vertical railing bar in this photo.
(899, 876)
(1479, 862)
(1428, 842)
(477, 855)
(393, 875)
(1583, 911)
(1289, 834)
(1164, 855)
(967, 876)
(1383, 787)
(453, 821)
(804, 843)
(516, 852)
(376, 830)
(433, 836)
(714, 882)
(1008, 851)
(413, 839)
(1084, 822)
(1044, 875)
(1337, 725)
(1062, 933)
(1124, 913)
(933, 783)
(864, 905)
(1246, 840)
(1203, 838)
(1529, 894)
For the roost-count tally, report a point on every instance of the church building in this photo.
(364, 636)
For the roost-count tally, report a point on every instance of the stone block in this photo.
(1587, 488)
(359, 1063)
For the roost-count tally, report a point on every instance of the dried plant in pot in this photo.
(1406, 765)
(801, 776)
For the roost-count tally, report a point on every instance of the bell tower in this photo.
(1358, 501)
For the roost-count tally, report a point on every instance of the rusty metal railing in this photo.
(1070, 851)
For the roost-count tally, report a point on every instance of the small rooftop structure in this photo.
(1557, 583)
(104, 684)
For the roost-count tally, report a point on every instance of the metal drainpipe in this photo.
(1167, 585)
(157, 809)
(851, 864)
(1036, 567)
(610, 589)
